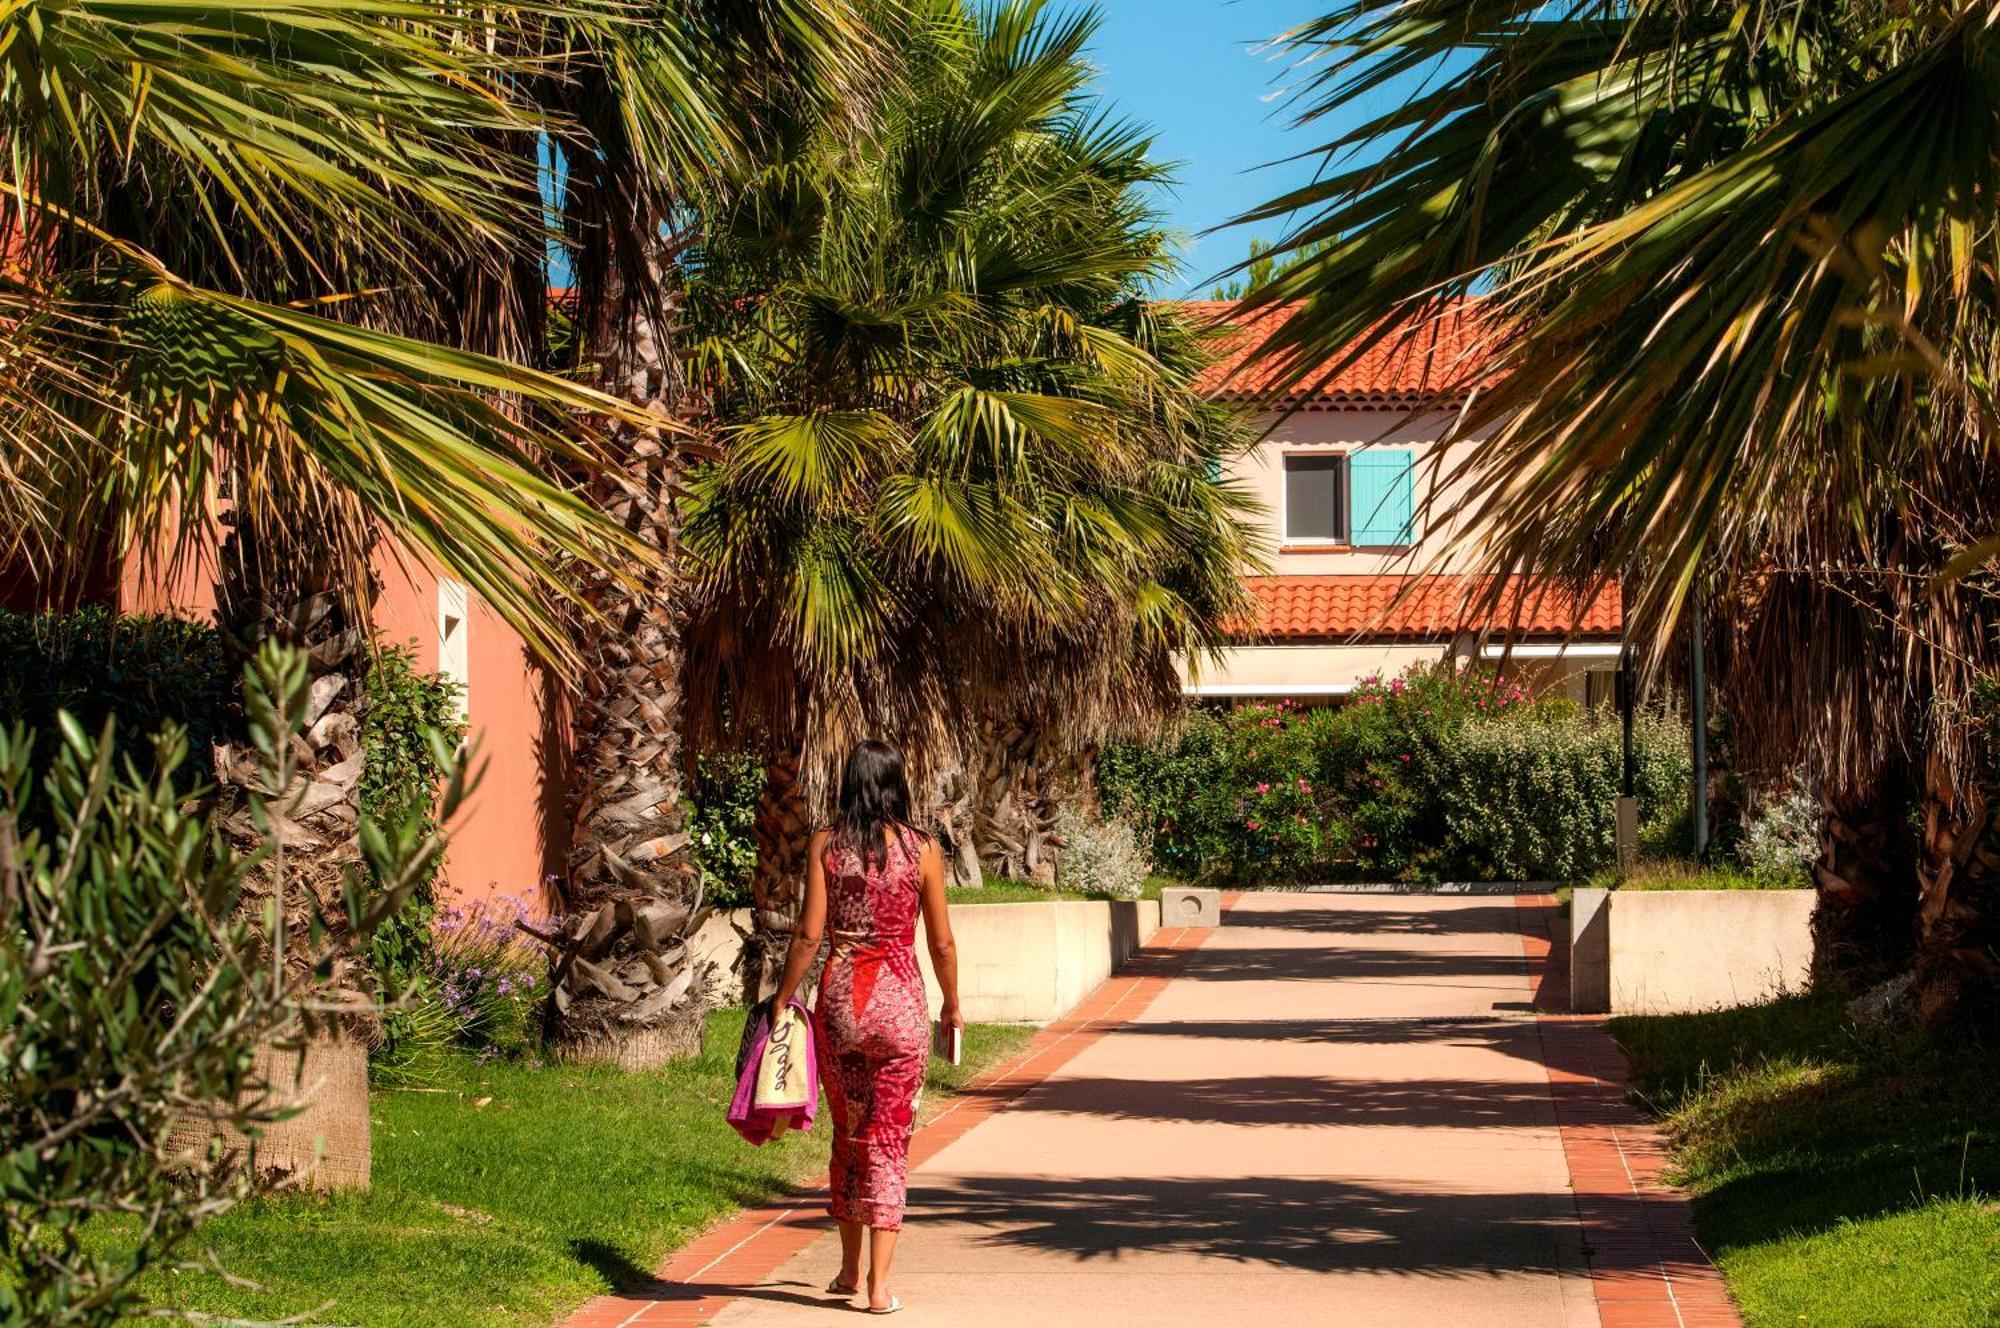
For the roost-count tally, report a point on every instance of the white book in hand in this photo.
(948, 1042)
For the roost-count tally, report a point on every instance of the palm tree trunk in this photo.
(277, 588)
(952, 811)
(1027, 774)
(777, 887)
(1958, 886)
(1864, 925)
(623, 989)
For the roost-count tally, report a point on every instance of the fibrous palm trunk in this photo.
(623, 988)
(1026, 776)
(275, 588)
(1864, 923)
(953, 812)
(1958, 889)
(777, 886)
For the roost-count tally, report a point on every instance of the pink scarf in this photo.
(760, 1127)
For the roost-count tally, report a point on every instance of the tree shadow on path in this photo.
(1301, 1100)
(1311, 1224)
(1229, 963)
(1489, 919)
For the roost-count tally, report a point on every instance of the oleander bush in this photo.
(1437, 774)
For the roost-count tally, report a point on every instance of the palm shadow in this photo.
(1471, 919)
(1259, 963)
(1299, 1101)
(629, 1280)
(1313, 1224)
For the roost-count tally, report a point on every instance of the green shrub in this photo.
(1173, 790)
(1533, 796)
(401, 772)
(723, 824)
(1437, 774)
(150, 670)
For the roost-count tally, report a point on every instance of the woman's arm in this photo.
(937, 931)
(812, 925)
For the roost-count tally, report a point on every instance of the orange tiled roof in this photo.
(1438, 359)
(1335, 608)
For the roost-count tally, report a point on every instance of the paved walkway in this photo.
(1334, 1109)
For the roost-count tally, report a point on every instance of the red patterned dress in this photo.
(873, 1026)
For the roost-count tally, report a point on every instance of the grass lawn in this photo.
(1838, 1179)
(1001, 890)
(510, 1194)
(1682, 874)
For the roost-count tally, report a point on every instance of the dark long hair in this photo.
(874, 796)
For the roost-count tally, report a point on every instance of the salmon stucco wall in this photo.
(512, 834)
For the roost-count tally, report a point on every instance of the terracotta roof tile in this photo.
(1438, 359)
(1334, 608)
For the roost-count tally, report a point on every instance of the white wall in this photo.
(1682, 951)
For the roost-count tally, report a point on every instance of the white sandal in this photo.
(834, 1288)
(895, 1303)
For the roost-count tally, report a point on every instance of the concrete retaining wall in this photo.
(1677, 951)
(1035, 962)
(1017, 963)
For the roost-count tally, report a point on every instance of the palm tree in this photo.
(222, 226)
(965, 476)
(665, 99)
(1739, 268)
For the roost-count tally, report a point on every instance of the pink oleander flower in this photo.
(1263, 788)
(1305, 787)
(1252, 825)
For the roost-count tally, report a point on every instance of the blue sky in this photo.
(1194, 72)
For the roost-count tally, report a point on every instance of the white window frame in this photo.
(1286, 541)
(454, 641)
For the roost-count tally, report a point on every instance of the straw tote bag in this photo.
(786, 1076)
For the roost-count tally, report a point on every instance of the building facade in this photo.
(1367, 577)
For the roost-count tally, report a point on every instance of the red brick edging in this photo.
(706, 1274)
(1646, 1268)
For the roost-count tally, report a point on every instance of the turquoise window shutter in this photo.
(1381, 496)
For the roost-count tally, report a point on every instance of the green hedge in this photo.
(1436, 775)
(1534, 798)
(149, 670)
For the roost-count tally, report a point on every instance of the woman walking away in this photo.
(867, 877)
